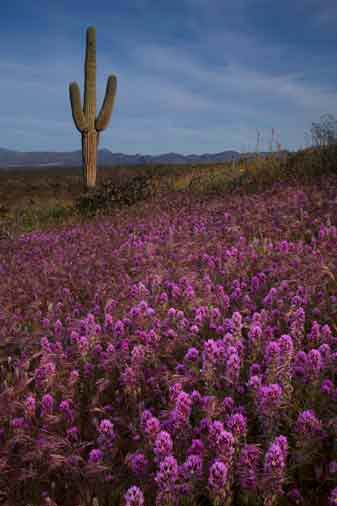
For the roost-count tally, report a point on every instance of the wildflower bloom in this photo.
(286, 346)
(307, 424)
(301, 358)
(215, 314)
(138, 355)
(129, 379)
(83, 345)
(138, 463)
(274, 465)
(197, 447)
(182, 409)
(66, 408)
(327, 387)
(193, 466)
(233, 369)
(30, 405)
(248, 466)
(118, 329)
(152, 427)
(314, 363)
(180, 369)
(74, 337)
(106, 428)
(333, 467)
(45, 323)
(295, 497)
(134, 497)
(314, 335)
(45, 345)
(237, 322)
(268, 399)
(73, 433)
(174, 391)
(215, 428)
(192, 355)
(168, 473)
(74, 377)
(95, 456)
(50, 368)
(254, 383)
(47, 403)
(194, 329)
(163, 445)
(255, 334)
(18, 423)
(108, 322)
(196, 397)
(171, 313)
(255, 369)
(333, 497)
(228, 404)
(88, 369)
(325, 351)
(218, 475)
(272, 352)
(225, 445)
(283, 444)
(237, 424)
(146, 415)
(209, 354)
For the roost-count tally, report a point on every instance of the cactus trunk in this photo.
(89, 155)
(85, 121)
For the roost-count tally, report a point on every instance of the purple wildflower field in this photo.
(181, 353)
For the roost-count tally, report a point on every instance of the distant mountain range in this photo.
(10, 159)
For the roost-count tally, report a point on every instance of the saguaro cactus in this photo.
(85, 120)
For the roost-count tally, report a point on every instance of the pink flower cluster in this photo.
(181, 348)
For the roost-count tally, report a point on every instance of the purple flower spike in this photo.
(274, 465)
(163, 445)
(95, 456)
(237, 424)
(308, 424)
(193, 466)
(134, 497)
(168, 472)
(218, 475)
(333, 497)
(248, 466)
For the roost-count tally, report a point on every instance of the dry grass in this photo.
(42, 199)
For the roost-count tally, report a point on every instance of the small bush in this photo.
(108, 195)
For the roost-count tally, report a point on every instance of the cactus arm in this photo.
(85, 118)
(76, 109)
(108, 103)
(89, 108)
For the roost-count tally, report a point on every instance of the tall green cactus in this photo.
(85, 120)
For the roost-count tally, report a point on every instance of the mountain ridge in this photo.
(21, 159)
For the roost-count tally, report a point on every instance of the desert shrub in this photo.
(108, 195)
(313, 162)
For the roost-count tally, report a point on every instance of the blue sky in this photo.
(194, 76)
